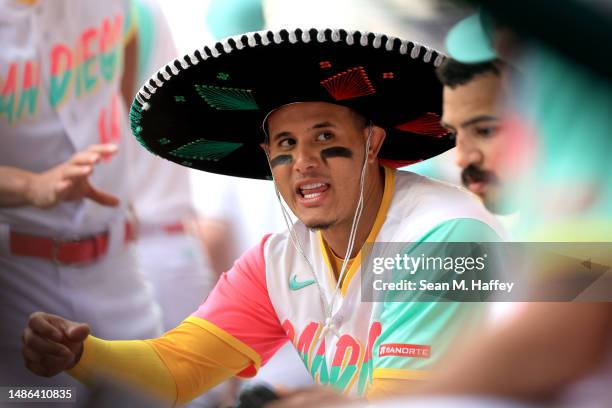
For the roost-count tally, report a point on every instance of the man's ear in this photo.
(376, 142)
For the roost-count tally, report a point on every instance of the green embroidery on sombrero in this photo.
(223, 76)
(163, 141)
(223, 98)
(203, 149)
(187, 163)
(179, 98)
(135, 118)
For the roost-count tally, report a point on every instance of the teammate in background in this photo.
(66, 229)
(565, 198)
(548, 353)
(472, 111)
(323, 151)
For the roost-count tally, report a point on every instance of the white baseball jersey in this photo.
(162, 190)
(61, 63)
(270, 296)
(60, 71)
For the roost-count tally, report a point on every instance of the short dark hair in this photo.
(360, 121)
(453, 73)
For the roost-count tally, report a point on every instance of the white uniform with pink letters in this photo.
(60, 73)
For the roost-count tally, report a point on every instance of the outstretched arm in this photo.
(177, 367)
(232, 333)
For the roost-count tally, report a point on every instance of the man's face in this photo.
(316, 152)
(472, 113)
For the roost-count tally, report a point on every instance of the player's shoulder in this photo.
(414, 191)
(430, 202)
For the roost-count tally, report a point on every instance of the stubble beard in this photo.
(318, 226)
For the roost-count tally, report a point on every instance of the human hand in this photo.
(69, 181)
(52, 344)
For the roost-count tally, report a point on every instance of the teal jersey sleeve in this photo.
(417, 333)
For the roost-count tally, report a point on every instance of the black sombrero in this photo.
(205, 110)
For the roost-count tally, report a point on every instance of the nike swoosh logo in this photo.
(295, 285)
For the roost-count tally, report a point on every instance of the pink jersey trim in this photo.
(240, 305)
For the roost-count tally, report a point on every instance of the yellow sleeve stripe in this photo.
(82, 371)
(227, 338)
(399, 374)
(131, 361)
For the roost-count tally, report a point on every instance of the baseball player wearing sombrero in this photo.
(329, 108)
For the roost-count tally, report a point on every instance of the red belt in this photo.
(77, 251)
(177, 227)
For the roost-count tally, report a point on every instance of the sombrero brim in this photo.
(205, 110)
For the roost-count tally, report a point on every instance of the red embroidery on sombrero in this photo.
(349, 84)
(325, 64)
(427, 124)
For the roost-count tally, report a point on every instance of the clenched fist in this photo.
(52, 344)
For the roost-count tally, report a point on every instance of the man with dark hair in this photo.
(471, 112)
(453, 73)
(556, 353)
